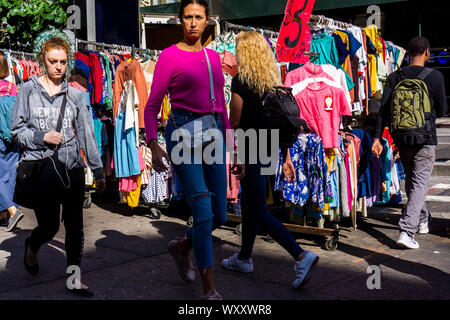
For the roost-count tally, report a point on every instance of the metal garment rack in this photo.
(227, 26)
(131, 49)
(27, 54)
(322, 20)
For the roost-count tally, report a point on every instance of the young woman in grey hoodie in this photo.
(61, 178)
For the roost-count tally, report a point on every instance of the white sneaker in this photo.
(407, 241)
(423, 228)
(233, 263)
(212, 295)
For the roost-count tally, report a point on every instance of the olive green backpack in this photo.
(411, 110)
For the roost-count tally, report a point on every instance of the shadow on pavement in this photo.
(432, 275)
(14, 273)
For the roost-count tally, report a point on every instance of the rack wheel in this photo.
(331, 244)
(190, 221)
(155, 213)
(87, 201)
(238, 229)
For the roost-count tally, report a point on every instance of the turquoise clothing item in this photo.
(226, 42)
(100, 136)
(126, 154)
(6, 106)
(325, 45)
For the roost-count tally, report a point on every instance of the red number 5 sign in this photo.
(295, 34)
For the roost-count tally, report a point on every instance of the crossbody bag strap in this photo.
(212, 98)
(62, 112)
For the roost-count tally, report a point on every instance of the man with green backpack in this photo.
(414, 96)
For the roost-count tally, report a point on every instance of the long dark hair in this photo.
(185, 3)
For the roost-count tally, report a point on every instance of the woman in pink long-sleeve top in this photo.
(182, 71)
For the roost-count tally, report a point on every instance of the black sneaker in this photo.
(12, 223)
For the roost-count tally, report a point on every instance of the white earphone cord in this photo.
(67, 160)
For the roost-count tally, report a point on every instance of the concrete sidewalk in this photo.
(126, 258)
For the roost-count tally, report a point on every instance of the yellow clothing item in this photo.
(330, 156)
(132, 198)
(165, 112)
(372, 33)
(373, 73)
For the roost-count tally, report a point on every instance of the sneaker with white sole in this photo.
(235, 264)
(423, 228)
(212, 295)
(12, 223)
(303, 269)
(407, 241)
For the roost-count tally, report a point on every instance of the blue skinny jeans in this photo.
(205, 188)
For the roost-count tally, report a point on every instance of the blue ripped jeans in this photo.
(205, 188)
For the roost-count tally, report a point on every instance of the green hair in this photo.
(53, 33)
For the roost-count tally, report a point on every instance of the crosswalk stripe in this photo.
(434, 198)
(438, 198)
(441, 186)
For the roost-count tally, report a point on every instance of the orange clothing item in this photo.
(130, 71)
(25, 72)
(348, 70)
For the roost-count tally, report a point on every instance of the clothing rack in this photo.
(227, 26)
(133, 50)
(322, 20)
(18, 53)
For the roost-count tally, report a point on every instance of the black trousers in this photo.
(48, 212)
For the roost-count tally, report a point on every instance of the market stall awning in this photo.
(238, 9)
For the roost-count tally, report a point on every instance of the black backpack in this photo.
(281, 111)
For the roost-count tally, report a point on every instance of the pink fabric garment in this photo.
(78, 86)
(184, 75)
(305, 72)
(129, 184)
(7, 88)
(322, 106)
(233, 184)
(229, 64)
(349, 182)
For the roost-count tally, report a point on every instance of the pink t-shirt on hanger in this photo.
(322, 106)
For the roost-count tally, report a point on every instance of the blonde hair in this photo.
(256, 62)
